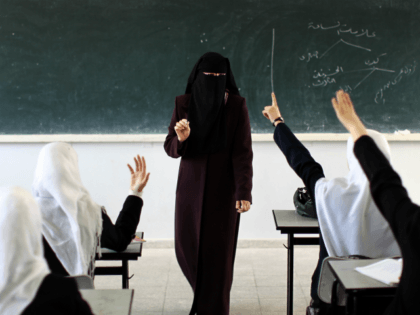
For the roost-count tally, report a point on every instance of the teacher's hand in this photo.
(272, 111)
(140, 177)
(243, 206)
(182, 129)
(346, 114)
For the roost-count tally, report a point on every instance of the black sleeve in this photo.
(403, 217)
(387, 190)
(58, 295)
(119, 236)
(298, 157)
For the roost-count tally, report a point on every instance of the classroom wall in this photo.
(105, 174)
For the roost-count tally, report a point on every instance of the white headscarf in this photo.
(22, 263)
(71, 220)
(349, 220)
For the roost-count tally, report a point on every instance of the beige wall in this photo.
(105, 174)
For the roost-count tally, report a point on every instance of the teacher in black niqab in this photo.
(208, 84)
(214, 180)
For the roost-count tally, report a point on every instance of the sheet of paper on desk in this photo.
(387, 271)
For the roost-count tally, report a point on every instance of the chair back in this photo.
(328, 288)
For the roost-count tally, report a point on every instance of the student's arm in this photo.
(173, 146)
(118, 237)
(386, 187)
(242, 156)
(298, 157)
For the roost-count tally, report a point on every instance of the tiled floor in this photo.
(259, 285)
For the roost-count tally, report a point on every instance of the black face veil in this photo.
(206, 112)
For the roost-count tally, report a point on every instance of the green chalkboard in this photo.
(106, 66)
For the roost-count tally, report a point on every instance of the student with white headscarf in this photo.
(74, 226)
(392, 200)
(350, 223)
(26, 284)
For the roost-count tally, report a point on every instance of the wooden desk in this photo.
(109, 302)
(133, 252)
(358, 286)
(290, 223)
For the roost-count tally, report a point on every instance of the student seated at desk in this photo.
(74, 226)
(392, 199)
(26, 285)
(350, 223)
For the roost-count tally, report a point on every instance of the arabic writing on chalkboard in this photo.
(341, 31)
(322, 78)
(404, 72)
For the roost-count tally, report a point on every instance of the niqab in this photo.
(206, 111)
(71, 220)
(349, 219)
(22, 263)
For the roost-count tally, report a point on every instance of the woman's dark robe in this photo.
(206, 219)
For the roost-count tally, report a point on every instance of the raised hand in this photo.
(272, 111)
(243, 206)
(182, 129)
(140, 177)
(346, 114)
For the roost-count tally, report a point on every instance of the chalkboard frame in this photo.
(160, 138)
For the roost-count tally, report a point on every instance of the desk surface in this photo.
(133, 251)
(109, 302)
(288, 221)
(353, 280)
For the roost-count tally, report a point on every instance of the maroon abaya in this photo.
(206, 220)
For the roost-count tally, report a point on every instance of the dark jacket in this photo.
(59, 296)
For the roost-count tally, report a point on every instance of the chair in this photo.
(329, 290)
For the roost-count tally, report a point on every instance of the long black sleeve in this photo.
(298, 157)
(58, 295)
(387, 190)
(119, 236)
(403, 216)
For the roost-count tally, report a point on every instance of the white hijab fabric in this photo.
(71, 220)
(22, 263)
(349, 220)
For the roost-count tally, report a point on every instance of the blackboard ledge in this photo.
(160, 138)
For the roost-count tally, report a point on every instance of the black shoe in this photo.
(313, 308)
(317, 307)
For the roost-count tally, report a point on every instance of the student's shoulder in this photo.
(52, 281)
(65, 300)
